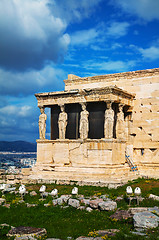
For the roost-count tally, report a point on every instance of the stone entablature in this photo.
(111, 93)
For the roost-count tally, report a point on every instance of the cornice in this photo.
(116, 76)
(85, 92)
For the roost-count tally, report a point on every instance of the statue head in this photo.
(83, 105)
(109, 104)
(42, 109)
(120, 107)
(62, 108)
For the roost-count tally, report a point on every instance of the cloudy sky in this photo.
(42, 41)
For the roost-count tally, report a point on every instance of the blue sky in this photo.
(42, 41)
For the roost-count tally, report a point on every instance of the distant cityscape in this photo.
(17, 155)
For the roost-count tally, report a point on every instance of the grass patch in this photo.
(70, 222)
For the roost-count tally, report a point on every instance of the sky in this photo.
(42, 41)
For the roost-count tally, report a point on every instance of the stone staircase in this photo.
(104, 176)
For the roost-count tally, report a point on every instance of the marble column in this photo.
(109, 121)
(62, 122)
(42, 123)
(84, 125)
(120, 127)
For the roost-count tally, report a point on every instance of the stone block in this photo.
(154, 197)
(2, 200)
(54, 202)
(44, 152)
(77, 153)
(85, 201)
(108, 206)
(74, 203)
(26, 171)
(145, 220)
(118, 153)
(105, 157)
(61, 153)
(89, 209)
(60, 201)
(94, 203)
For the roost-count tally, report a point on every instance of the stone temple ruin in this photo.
(104, 129)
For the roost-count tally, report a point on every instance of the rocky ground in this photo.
(143, 218)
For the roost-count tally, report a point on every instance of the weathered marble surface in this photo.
(145, 220)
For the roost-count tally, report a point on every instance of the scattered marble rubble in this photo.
(143, 217)
(33, 193)
(32, 233)
(145, 220)
(2, 200)
(121, 214)
(154, 197)
(77, 201)
(85, 204)
(27, 232)
(74, 203)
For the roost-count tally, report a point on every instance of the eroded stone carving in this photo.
(42, 123)
(120, 127)
(109, 121)
(84, 126)
(62, 122)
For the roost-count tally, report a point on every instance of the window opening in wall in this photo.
(133, 134)
(153, 149)
(142, 151)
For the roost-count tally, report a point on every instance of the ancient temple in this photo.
(104, 129)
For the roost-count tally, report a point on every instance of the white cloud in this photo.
(17, 123)
(33, 32)
(111, 66)
(116, 46)
(19, 120)
(98, 35)
(118, 29)
(13, 110)
(16, 84)
(24, 111)
(144, 9)
(151, 53)
(73, 10)
(30, 34)
(84, 37)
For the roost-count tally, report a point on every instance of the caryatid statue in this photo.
(42, 123)
(84, 126)
(62, 122)
(109, 121)
(120, 127)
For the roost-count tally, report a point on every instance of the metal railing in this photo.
(131, 163)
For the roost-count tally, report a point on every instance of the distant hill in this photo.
(17, 146)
